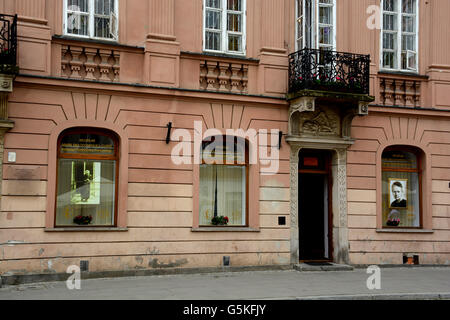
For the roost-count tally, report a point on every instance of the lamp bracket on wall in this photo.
(169, 129)
(280, 138)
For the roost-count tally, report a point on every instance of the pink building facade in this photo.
(107, 124)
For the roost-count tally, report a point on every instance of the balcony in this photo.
(327, 89)
(8, 44)
(329, 71)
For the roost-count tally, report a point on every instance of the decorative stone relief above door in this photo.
(322, 122)
(314, 121)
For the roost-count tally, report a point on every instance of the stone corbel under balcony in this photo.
(6, 87)
(323, 116)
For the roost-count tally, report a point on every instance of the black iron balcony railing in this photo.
(8, 40)
(329, 71)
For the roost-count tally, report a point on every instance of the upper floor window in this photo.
(401, 187)
(87, 178)
(316, 24)
(224, 26)
(400, 35)
(91, 18)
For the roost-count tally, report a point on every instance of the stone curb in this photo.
(18, 279)
(412, 266)
(387, 296)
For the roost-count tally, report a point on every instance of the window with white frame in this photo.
(316, 24)
(400, 35)
(91, 18)
(224, 26)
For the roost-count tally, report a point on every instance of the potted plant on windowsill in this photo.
(220, 221)
(393, 218)
(393, 222)
(82, 220)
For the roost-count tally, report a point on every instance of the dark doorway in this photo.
(315, 238)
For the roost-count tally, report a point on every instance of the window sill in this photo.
(236, 54)
(93, 41)
(402, 73)
(224, 229)
(404, 230)
(208, 54)
(215, 55)
(87, 229)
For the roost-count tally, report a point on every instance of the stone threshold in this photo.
(330, 267)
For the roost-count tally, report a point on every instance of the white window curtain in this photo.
(222, 193)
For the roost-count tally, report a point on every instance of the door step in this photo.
(328, 266)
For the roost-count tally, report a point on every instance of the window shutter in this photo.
(113, 28)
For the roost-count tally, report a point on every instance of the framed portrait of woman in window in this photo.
(398, 195)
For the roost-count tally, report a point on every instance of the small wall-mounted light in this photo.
(169, 129)
(280, 138)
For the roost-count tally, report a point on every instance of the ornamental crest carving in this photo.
(320, 123)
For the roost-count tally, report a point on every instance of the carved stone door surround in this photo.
(321, 127)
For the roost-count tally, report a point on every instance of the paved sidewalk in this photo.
(396, 283)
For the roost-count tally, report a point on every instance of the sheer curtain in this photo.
(231, 195)
(207, 191)
(222, 193)
(99, 191)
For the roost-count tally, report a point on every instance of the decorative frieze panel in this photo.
(400, 92)
(224, 76)
(90, 63)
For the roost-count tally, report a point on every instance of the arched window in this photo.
(224, 181)
(401, 170)
(87, 178)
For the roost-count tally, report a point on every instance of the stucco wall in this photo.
(431, 134)
(160, 213)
